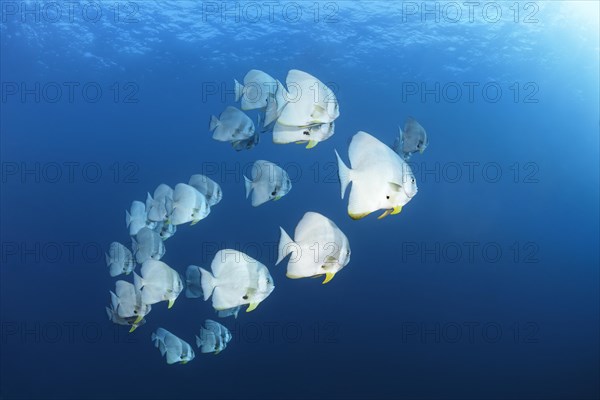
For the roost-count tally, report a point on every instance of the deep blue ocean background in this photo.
(485, 286)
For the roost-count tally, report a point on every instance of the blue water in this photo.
(485, 286)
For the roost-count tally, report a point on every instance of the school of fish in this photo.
(301, 112)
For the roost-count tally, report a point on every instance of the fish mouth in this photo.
(410, 196)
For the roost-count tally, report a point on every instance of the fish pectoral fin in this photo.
(397, 210)
(217, 352)
(171, 302)
(276, 198)
(328, 276)
(252, 306)
(138, 319)
(133, 328)
(194, 222)
(311, 144)
(184, 362)
(330, 260)
(395, 186)
(385, 214)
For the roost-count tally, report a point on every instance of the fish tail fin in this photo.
(239, 90)
(134, 245)
(248, 184)
(397, 146)
(214, 122)
(115, 270)
(153, 337)
(127, 218)
(107, 258)
(168, 207)
(207, 283)
(193, 288)
(138, 282)
(109, 312)
(198, 342)
(114, 300)
(149, 200)
(270, 111)
(343, 173)
(286, 246)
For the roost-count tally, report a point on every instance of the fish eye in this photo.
(387, 197)
(274, 193)
(245, 297)
(412, 180)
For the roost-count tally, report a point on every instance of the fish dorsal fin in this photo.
(398, 142)
(310, 223)
(365, 148)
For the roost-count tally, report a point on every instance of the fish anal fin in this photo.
(358, 216)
